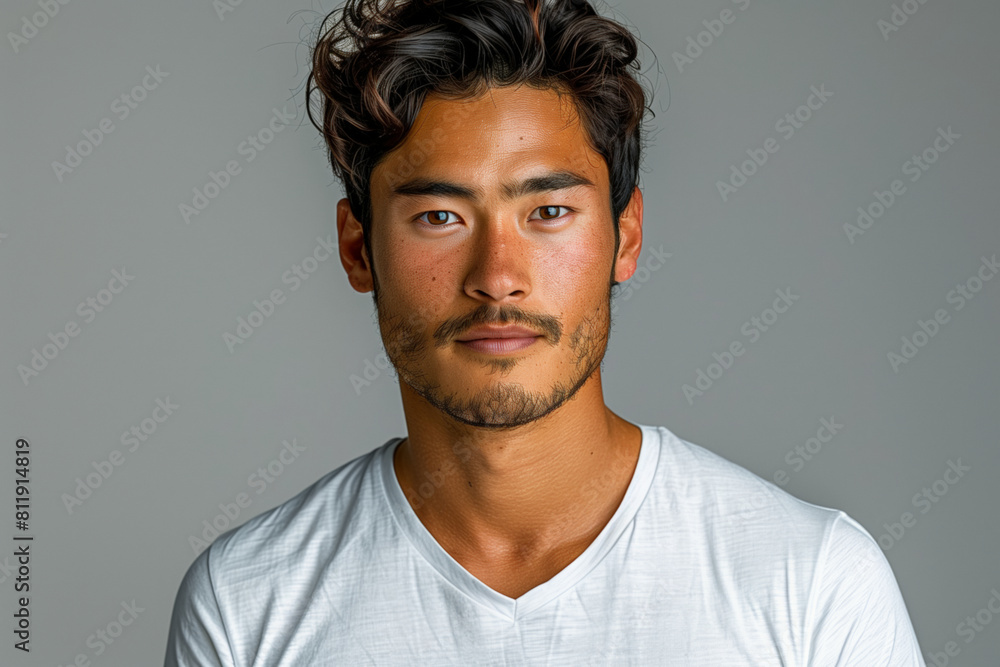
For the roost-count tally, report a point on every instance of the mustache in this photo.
(486, 314)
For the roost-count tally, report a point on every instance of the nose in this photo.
(499, 261)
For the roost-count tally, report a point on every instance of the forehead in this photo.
(484, 141)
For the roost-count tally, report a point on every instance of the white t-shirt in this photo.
(703, 563)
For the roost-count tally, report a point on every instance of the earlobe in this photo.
(353, 255)
(630, 237)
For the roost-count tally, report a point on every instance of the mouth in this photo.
(499, 345)
(502, 339)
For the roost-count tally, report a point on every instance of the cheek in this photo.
(416, 282)
(577, 268)
(406, 265)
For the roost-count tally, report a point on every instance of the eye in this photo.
(440, 218)
(436, 218)
(551, 212)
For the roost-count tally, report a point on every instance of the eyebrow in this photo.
(556, 180)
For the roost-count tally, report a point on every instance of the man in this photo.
(489, 151)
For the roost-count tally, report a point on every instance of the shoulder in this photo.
(757, 530)
(773, 546)
(280, 541)
(227, 597)
(856, 612)
(727, 495)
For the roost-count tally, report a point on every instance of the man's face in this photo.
(460, 242)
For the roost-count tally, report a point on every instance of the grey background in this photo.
(162, 336)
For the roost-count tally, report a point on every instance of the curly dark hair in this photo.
(375, 62)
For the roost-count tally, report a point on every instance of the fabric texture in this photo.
(703, 563)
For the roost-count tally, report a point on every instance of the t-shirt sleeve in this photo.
(197, 636)
(858, 616)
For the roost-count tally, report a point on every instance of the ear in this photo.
(353, 254)
(630, 237)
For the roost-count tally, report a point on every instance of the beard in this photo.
(503, 404)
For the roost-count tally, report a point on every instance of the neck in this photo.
(517, 494)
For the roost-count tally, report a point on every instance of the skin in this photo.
(513, 462)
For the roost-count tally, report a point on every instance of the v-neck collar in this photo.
(567, 578)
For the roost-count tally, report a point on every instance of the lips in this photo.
(480, 333)
(498, 345)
